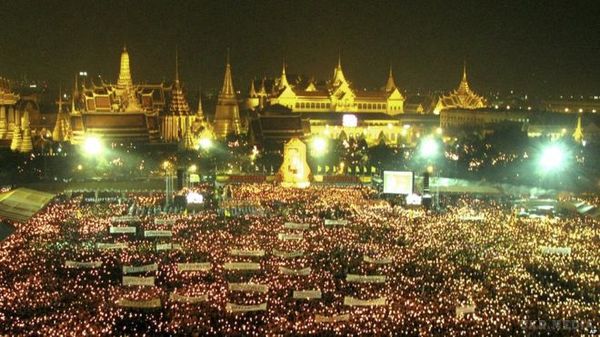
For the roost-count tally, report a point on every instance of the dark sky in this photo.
(540, 47)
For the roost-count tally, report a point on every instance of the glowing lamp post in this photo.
(92, 146)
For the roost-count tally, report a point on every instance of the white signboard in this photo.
(246, 252)
(241, 266)
(157, 233)
(288, 255)
(194, 266)
(556, 250)
(307, 294)
(295, 272)
(87, 265)
(170, 222)
(126, 218)
(295, 225)
(332, 319)
(188, 299)
(330, 222)
(121, 230)
(355, 302)
(463, 310)
(149, 304)
(121, 245)
(287, 237)
(248, 287)
(138, 281)
(383, 260)
(365, 278)
(397, 182)
(140, 269)
(167, 246)
(232, 307)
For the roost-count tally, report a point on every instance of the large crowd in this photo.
(476, 254)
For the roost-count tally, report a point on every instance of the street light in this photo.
(553, 158)
(319, 146)
(429, 147)
(205, 143)
(92, 146)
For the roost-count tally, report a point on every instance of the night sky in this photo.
(538, 47)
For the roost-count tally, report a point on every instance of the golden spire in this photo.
(391, 84)
(179, 105)
(283, 82)
(124, 71)
(200, 111)
(338, 74)
(227, 89)
(578, 134)
(252, 92)
(176, 67)
(463, 87)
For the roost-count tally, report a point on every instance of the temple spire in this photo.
(227, 89)
(283, 82)
(463, 87)
(578, 134)
(252, 92)
(124, 71)
(200, 111)
(338, 73)
(391, 84)
(176, 66)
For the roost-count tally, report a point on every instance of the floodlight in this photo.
(92, 146)
(205, 143)
(429, 147)
(552, 158)
(319, 146)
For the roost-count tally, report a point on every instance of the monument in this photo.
(294, 170)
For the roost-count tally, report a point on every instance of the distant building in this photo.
(121, 113)
(15, 128)
(572, 105)
(337, 95)
(461, 98)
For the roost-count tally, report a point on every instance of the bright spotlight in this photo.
(92, 146)
(429, 147)
(553, 158)
(319, 146)
(205, 143)
(193, 168)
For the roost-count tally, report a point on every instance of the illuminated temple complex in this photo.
(14, 123)
(461, 98)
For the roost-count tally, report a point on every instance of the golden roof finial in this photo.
(464, 78)
(391, 84)
(283, 82)
(176, 65)
(227, 89)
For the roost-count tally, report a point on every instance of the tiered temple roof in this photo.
(463, 97)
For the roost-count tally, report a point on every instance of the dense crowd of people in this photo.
(477, 254)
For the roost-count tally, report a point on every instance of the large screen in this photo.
(397, 182)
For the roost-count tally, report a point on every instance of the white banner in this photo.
(140, 269)
(188, 299)
(556, 250)
(332, 319)
(286, 237)
(329, 222)
(77, 264)
(296, 272)
(126, 218)
(138, 281)
(307, 294)
(125, 303)
(170, 222)
(479, 217)
(295, 225)
(246, 252)
(249, 287)
(355, 302)
(463, 310)
(121, 245)
(121, 230)
(383, 260)
(295, 253)
(241, 266)
(365, 278)
(232, 307)
(157, 233)
(167, 246)
(194, 266)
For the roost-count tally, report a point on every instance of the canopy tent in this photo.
(22, 203)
